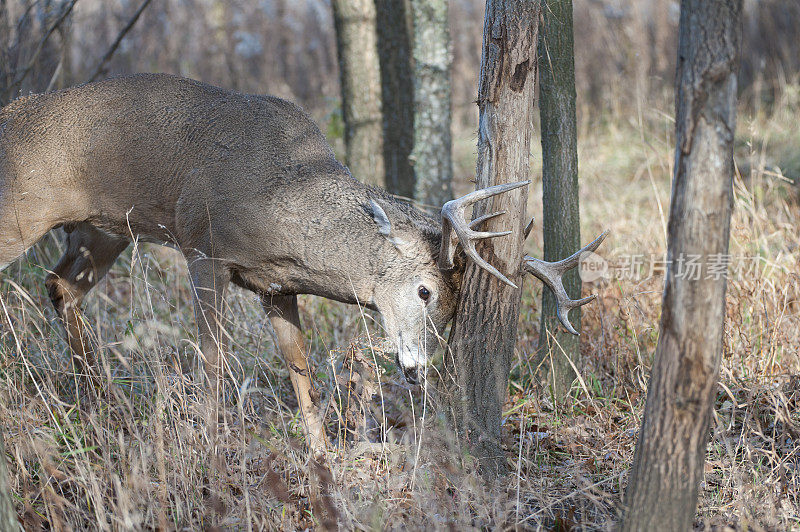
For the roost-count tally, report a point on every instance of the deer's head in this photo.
(421, 278)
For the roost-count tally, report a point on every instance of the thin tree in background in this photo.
(432, 159)
(397, 93)
(668, 464)
(484, 330)
(100, 71)
(359, 76)
(22, 72)
(561, 221)
(48, 12)
(62, 77)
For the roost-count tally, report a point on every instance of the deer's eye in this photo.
(423, 293)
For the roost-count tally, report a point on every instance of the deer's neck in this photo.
(324, 243)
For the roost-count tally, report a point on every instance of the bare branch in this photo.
(100, 66)
(27, 70)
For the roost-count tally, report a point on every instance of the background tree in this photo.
(397, 93)
(62, 77)
(100, 71)
(59, 48)
(561, 220)
(668, 464)
(432, 155)
(32, 64)
(484, 329)
(359, 76)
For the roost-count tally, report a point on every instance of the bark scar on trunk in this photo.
(520, 75)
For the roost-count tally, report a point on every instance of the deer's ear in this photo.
(382, 221)
(380, 218)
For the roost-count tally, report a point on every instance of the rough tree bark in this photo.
(359, 74)
(668, 464)
(432, 159)
(561, 220)
(397, 93)
(485, 326)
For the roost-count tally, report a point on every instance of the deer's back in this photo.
(132, 150)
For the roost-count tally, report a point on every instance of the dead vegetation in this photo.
(139, 457)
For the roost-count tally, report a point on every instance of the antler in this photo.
(550, 273)
(456, 228)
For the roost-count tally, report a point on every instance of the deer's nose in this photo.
(412, 374)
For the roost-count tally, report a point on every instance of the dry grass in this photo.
(139, 457)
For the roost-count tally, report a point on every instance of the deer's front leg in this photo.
(282, 312)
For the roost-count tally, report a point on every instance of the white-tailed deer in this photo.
(247, 188)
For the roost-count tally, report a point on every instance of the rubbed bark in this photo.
(359, 75)
(484, 330)
(561, 220)
(8, 516)
(432, 159)
(668, 464)
(397, 93)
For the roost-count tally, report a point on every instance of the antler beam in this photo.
(456, 229)
(551, 273)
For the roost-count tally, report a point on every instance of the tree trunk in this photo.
(397, 93)
(432, 159)
(360, 84)
(8, 516)
(52, 66)
(561, 220)
(485, 326)
(668, 464)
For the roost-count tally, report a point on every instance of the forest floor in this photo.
(140, 458)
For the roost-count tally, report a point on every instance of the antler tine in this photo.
(488, 192)
(469, 249)
(456, 228)
(474, 224)
(528, 229)
(550, 273)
